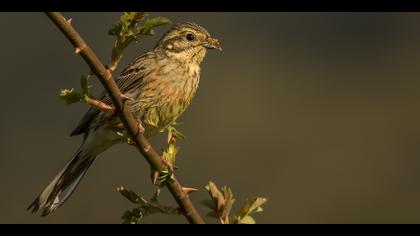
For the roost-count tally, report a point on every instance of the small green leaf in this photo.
(216, 195)
(252, 206)
(132, 217)
(229, 200)
(150, 24)
(129, 28)
(164, 178)
(257, 210)
(127, 17)
(146, 207)
(174, 133)
(169, 155)
(116, 29)
(70, 96)
(247, 220)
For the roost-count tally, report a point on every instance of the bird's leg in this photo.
(155, 174)
(120, 130)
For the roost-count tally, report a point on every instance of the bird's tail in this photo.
(63, 185)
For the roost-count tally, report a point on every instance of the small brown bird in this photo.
(160, 85)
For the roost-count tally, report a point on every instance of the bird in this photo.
(159, 84)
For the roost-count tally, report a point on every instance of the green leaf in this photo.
(247, 220)
(169, 155)
(174, 133)
(146, 207)
(127, 20)
(132, 217)
(129, 28)
(252, 206)
(127, 17)
(116, 29)
(229, 200)
(216, 195)
(150, 24)
(70, 96)
(165, 177)
(221, 203)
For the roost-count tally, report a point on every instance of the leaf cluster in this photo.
(130, 28)
(145, 207)
(221, 203)
(71, 96)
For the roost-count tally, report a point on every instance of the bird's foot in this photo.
(120, 130)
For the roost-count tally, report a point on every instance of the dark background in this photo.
(316, 111)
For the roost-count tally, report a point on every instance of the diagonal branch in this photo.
(121, 108)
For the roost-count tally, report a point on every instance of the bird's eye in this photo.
(190, 37)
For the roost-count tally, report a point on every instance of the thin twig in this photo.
(131, 125)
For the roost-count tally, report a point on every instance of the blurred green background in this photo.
(318, 112)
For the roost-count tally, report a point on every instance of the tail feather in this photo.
(63, 185)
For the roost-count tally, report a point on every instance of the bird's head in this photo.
(187, 42)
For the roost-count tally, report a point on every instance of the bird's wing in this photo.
(130, 78)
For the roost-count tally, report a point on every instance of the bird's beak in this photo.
(212, 43)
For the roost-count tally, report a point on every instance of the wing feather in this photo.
(130, 78)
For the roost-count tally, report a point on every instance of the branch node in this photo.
(77, 50)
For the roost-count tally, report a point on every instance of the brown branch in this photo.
(131, 125)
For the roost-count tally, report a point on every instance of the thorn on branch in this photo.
(100, 105)
(69, 21)
(154, 176)
(187, 190)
